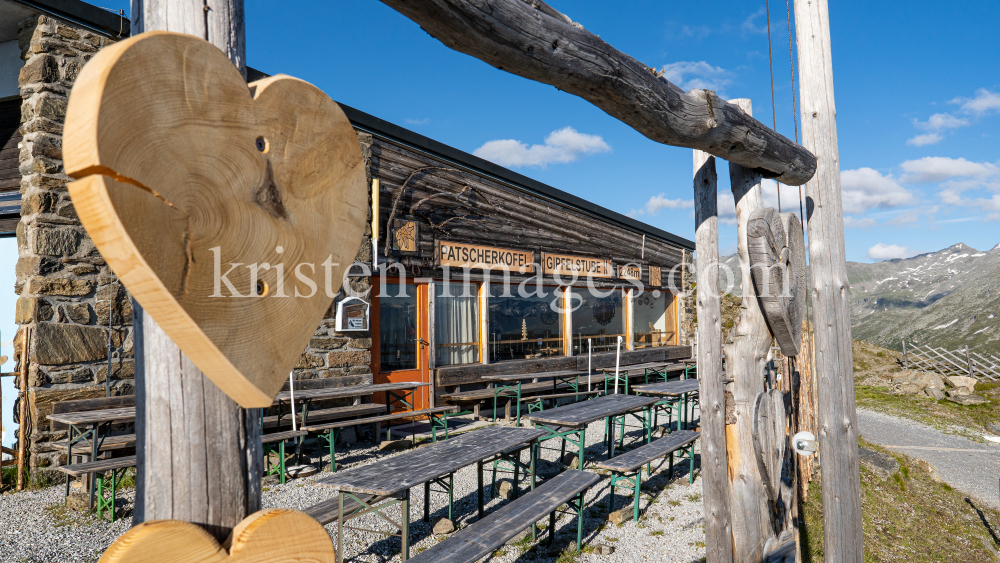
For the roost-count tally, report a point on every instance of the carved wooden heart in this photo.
(778, 264)
(184, 170)
(769, 439)
(269, 536)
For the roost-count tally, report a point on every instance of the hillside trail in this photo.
(969, 467)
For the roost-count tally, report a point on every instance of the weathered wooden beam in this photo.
(530, 39)
(746, 356)
(831, 297)
(715, 479)
(199, 454)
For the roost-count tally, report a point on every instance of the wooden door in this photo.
(400, 337)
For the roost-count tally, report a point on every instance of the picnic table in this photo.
(569, 420)
(511, 383)
(374, 488)
(394, 391)
(676, 394)
(91, 428)
(659, 370)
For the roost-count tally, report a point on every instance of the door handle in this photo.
(421, 341)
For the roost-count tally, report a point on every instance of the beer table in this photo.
(571, 420)
(394, 392)
(675, 395)
(91, 428)
(511, 383)
(370, 489)
(659, 370)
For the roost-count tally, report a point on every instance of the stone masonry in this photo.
(67, 293)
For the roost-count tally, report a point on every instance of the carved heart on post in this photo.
(778, 265)
(229, 211)
(769, 439)
(269, 536)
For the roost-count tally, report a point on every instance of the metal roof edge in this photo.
(87, 15)
(393, 131)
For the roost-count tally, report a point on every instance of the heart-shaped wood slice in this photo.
(770, 439)
(270, 536)
(217, 203)
(778, 265)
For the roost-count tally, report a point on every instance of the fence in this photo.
(951, 362)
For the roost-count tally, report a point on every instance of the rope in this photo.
(770, 64)
(795, 114)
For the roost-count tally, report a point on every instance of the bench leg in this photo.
(517, 475)
(691, 461)
(637, 479)
(451, 493)
(552, 527)
(479, 491)
(579, 520)
(475, 412)
(611, 493)
(427, 502)
(405, 532)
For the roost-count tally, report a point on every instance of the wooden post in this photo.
(906, 361)
(746, 360)
(837, 430)
(199, 453)
(22, 438)
(715, 479)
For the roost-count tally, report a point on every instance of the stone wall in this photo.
(63, 285)
(67, 294)
(686, 303)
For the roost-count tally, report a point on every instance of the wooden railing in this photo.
(951, 362)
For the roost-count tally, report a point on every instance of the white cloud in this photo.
(984, 102)
(889, 251)
(562, 145)
(749, 25)
(864, 189)
(855, 223)
(926, 139)
(660, 201)
(413, 121)
(939, 168)
(689, 75)
(727, 208)
(941, 121)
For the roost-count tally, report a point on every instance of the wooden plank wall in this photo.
(467, 207)
(10, 136)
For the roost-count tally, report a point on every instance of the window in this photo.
(456, 323)
(523, 327)
(598, 318)
(398, 328)
(654, 319)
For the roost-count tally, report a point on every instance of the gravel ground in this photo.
(670, 529)
(968, 466)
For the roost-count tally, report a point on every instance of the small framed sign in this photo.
(352, 315)
(654, 276)
(405, 235)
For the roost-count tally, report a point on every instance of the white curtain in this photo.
(456, 324)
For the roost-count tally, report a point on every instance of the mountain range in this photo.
(949, 298)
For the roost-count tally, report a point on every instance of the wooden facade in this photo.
(439, 209)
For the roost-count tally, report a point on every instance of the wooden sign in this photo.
(630, 272)
(404, 235)
(276, 535)
(460, 255)
(654, 276)
(565, 265)
(194, 186)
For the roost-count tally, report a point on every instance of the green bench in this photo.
(275, 444)
(626, 469)
(108, 474)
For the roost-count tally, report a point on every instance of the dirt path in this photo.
(969, 467)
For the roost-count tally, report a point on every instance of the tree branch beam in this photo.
(532, 40)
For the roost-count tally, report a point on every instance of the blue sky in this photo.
(917, 91)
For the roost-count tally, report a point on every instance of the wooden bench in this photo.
(480, 539)
(328, 432)
(627, 468)
(334, 413)
(536, 403)
(111, 443)
(114, 467)
(275, 444)
(326, 512)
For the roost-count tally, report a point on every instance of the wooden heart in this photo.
(770, 439)
(269, 536)
(184, 170)
(778, 265)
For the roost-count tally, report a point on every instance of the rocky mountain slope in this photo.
(947, 298)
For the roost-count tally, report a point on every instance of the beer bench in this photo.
(107, 472)
(478, 540)
(328, 432)
(627, 468)
(334, 413)
(275, 444)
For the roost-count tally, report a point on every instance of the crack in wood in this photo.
(268, 197)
